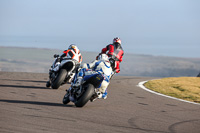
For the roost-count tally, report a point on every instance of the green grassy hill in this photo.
(39, 60)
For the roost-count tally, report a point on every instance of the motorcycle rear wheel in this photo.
(85, 97)
(59, 79)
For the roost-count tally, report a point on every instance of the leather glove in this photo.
(55, 55)
(98, 56)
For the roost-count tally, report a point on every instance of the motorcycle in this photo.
(62, 72)
(88, 90)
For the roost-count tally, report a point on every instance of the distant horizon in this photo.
(35, 47)
(154, 27)
(40, 60)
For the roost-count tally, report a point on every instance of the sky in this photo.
(149, 27)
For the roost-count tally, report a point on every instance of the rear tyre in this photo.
(59, 79)
(85, 97)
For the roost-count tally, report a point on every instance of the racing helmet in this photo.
(103, 57)
(117, 40)
(74, 48)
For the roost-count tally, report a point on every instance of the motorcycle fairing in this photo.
(95, 79)
(67, 64)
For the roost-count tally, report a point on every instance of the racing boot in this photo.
(48, 84)
(97, 95)
(104, 95)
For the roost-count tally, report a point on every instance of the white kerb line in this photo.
(141, 85)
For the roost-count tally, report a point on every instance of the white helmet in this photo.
(103, 57)
(75, 48)
(117, 40)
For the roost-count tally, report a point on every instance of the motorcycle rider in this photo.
(72, 53)
(115, 53)
(102, 65)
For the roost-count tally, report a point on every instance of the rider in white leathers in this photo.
(102, 65)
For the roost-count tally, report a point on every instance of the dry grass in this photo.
(187, 88)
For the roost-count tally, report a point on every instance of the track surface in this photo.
(26, 106)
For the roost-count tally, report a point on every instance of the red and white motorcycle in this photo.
(62, 71)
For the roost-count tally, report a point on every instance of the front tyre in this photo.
(48, 84)
(66, 98)
(59, 79)
(85, 97)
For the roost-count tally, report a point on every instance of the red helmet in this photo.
(117, 40)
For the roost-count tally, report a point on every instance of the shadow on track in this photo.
(36, 103)
(25, 80)
(29, 87)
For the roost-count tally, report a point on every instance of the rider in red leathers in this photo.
(115, 54)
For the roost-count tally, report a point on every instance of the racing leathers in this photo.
(69, 54)
(97, 66)
(115, 54)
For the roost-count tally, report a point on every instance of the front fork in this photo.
(74, 93)
(70, 77)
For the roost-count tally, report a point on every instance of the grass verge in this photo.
(186, 88)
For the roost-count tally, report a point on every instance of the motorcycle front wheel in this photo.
(85, 97)
(59, 79)
(66, 98)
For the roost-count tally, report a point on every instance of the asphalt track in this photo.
(26, 106)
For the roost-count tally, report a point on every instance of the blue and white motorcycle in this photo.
(88, 89)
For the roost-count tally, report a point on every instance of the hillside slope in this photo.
(17, 59)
